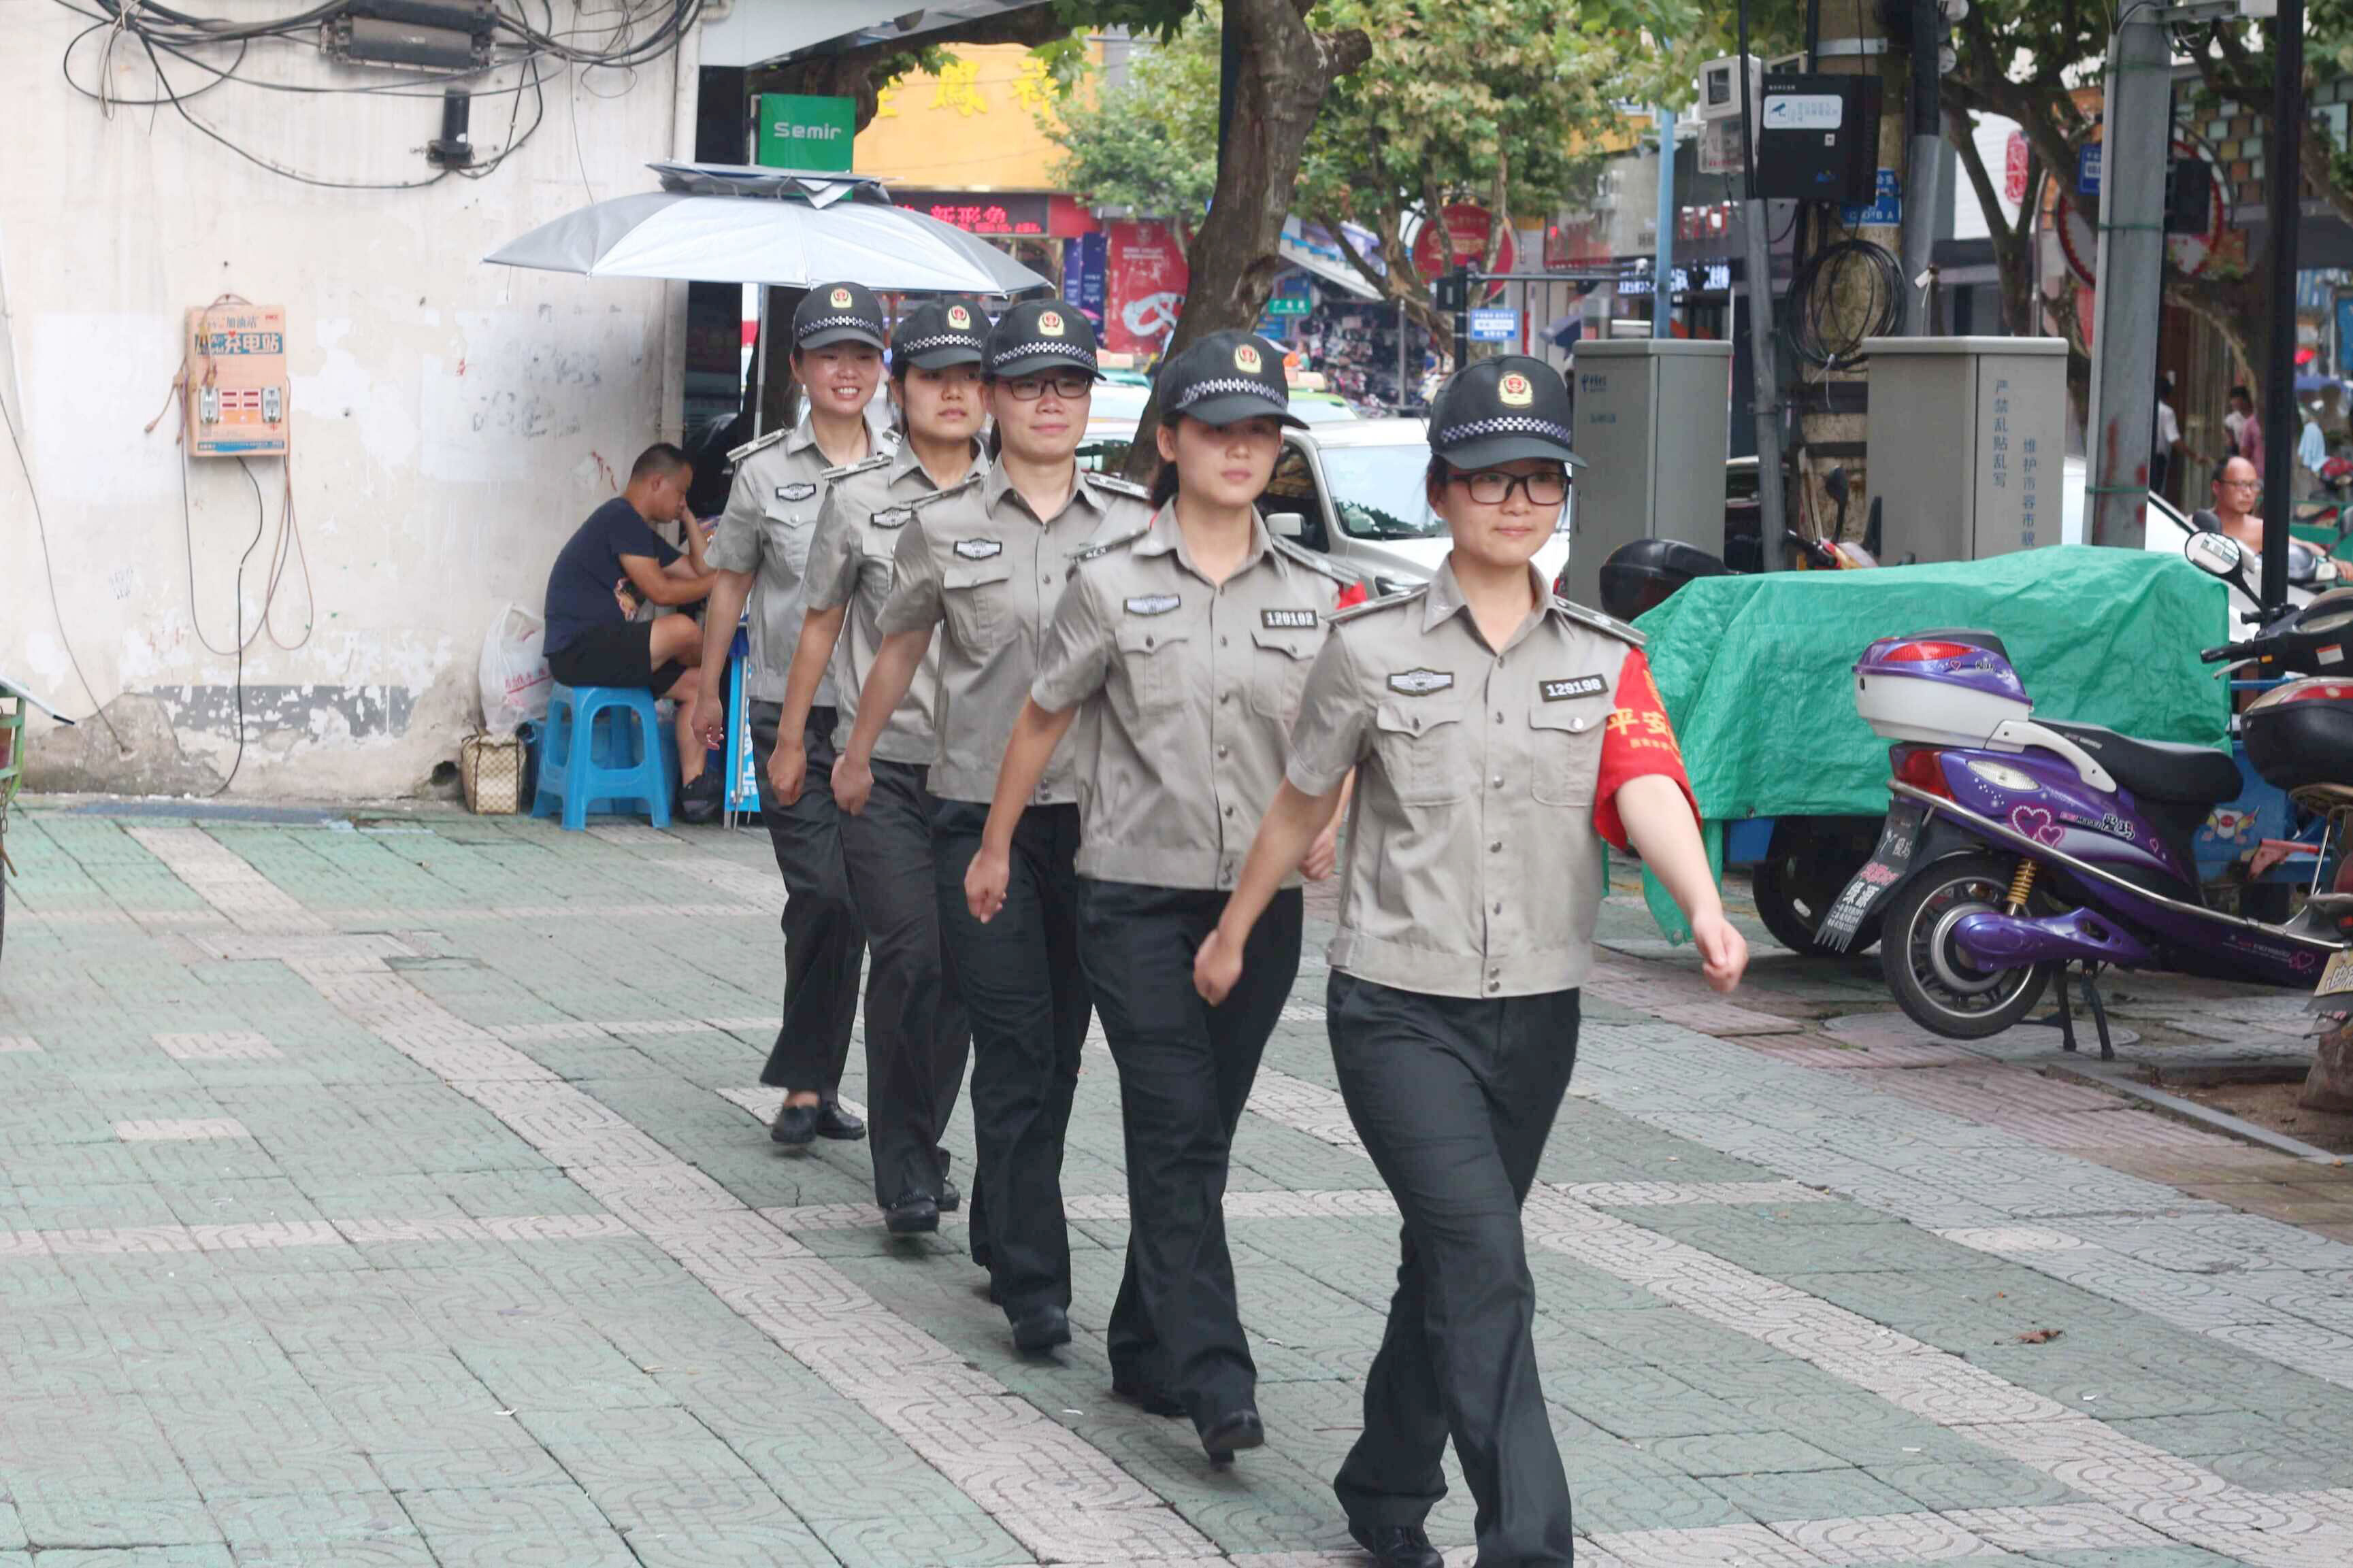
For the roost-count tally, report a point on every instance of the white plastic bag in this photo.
(514, 677)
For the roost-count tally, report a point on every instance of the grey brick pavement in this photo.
(397, 1195)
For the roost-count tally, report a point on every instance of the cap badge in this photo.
(1246, 359)
(1515, 391)
(959, 318)
(1051, 324)
(840, 300)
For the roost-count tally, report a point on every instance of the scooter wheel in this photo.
(1937, 988)
(1802, 876)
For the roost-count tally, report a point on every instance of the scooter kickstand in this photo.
(2099, 1014)
(2066, 1019)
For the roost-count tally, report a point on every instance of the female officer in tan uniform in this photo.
(1185, 645)
(987, 559)
(1500, 736)
(916, 1038)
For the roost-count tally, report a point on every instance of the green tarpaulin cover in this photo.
(1757, 672)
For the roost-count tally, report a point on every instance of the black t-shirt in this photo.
(587, 587)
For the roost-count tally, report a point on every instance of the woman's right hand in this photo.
(853, 781)
(1217, 968)
(984, 882)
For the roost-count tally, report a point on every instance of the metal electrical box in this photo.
(1818, 138)
(1968, 445)
(1651, 425)
(237, 393)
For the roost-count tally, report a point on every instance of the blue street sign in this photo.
(2087, 169)
(1494, 326)
(1886, 208)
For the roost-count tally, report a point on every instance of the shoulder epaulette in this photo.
(1370, 605)
(843, 472)
(1598, 621)
(1315, 561)
(1105, 547)
(1118, 486)
(957, 489)
(756, 444)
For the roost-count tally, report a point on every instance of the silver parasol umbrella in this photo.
(714, 223)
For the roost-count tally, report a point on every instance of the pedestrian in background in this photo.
(1181, 649)
(987, 560)
(761, 552)
(916, 1036)
(1500, 736)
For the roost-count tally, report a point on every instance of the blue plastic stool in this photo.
(603, 745)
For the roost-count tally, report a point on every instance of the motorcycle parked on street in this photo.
(2015, 847)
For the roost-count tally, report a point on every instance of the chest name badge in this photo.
(1569, 690)
(1422, 682)
(1288, 620)
(798, 491)
(1153, 603)
(893, 517)
(979, 549)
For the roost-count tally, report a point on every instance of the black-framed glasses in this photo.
(1493, 487)
(1030, 388)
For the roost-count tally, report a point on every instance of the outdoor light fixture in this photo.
(432, 35)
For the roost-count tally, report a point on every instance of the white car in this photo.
(1354, 490)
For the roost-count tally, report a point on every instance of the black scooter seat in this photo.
(2156, 770)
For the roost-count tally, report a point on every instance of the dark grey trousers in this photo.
(1455, 1097)
(1028, 1001)
(916, 1035)
(1184, 1074)
(824, 941)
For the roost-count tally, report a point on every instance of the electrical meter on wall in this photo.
(236, 392)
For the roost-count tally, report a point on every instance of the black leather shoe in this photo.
(832, 1121)
(915, 1214)
(951, 1198)
(1148, 1398)
(1040, 1329)
(795, 1124)
(1399, 1546)
(1230, 1434)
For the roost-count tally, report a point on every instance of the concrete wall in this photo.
(452, 422)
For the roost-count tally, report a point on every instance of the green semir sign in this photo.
(796, 132)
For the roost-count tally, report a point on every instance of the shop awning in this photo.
(1312, 248)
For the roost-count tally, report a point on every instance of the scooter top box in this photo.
(2301, 734)
(1942, 687)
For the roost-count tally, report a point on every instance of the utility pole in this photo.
(1766, 395)
(2137, 131)
(1663, 269)
(2284, 170)
(1923, 162)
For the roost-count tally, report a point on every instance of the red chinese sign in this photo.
(2013, 170)
(1145, 287)
(1465, 230)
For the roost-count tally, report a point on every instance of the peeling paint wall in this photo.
(452, 421)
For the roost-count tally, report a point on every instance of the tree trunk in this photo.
(2329, 1085)
(1286, 69)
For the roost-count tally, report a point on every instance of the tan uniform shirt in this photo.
(976, 558)
(867, 505)
(1473, 865)
(771, 516)
(1191, 688)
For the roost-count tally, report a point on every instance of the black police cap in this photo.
(1038, 336)
(940, 334)
(838, 313)
(1226, 378)
(1502, 409)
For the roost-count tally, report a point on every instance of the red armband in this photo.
(1639, 740)
(1352, 596)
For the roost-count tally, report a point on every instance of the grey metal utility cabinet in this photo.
(1651, 425)
(1968, 444)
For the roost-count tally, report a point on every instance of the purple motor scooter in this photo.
(2015, 847)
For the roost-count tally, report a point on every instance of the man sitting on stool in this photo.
(615, 563)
